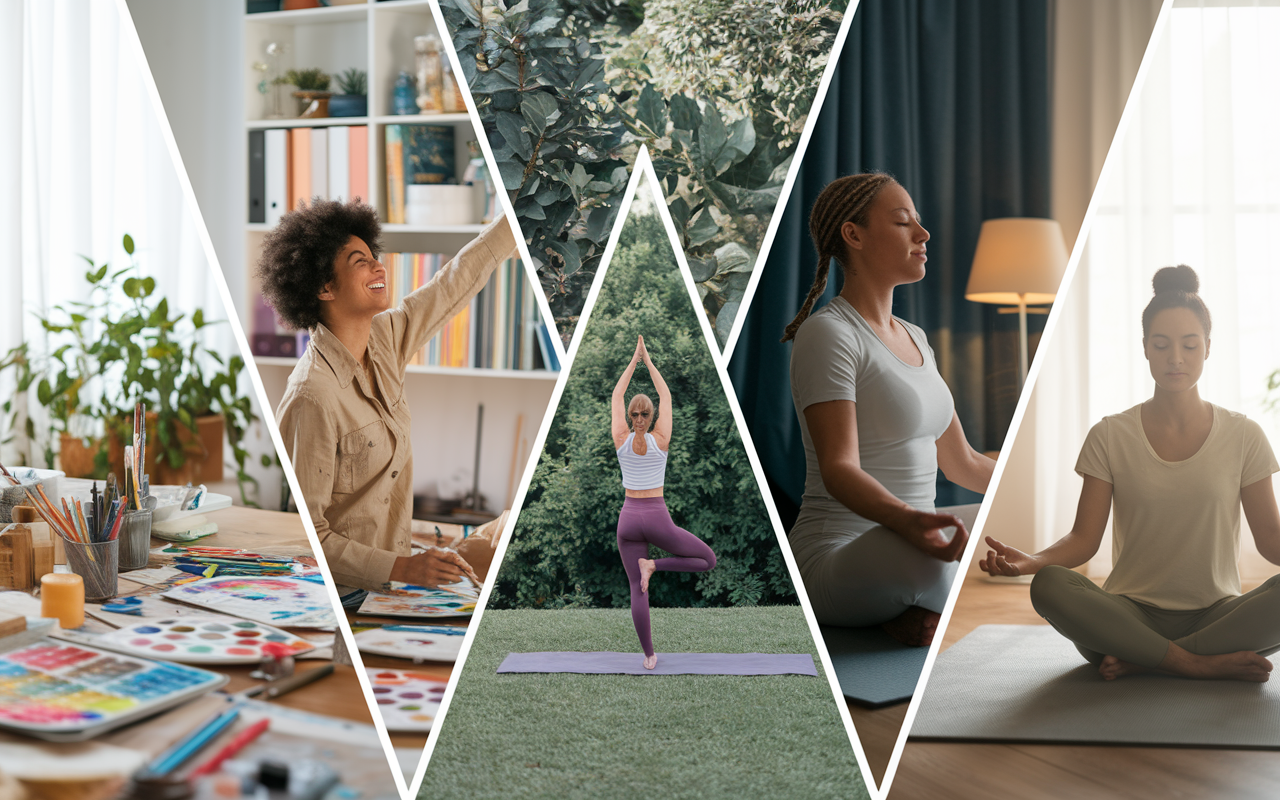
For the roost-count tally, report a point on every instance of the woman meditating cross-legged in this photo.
(1178, 470)
(644, 519)
(877, 422)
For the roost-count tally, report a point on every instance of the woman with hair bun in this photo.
(877, 422)
(1178, 469)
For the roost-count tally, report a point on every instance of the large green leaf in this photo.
(511, 128)
(651, 109)
(538, 109)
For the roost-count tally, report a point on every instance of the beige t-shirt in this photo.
(1177, 523)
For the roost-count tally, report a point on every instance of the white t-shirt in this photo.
(902, 410)
(1176, 532)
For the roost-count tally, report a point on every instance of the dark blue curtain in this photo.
(953, 98)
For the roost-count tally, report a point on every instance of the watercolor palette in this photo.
(408, 701)
(202, 640)
(289, 602)
(70, 692)
(418, 642)
(409, 600)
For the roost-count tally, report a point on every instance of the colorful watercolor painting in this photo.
(287, 602)
(409, 600)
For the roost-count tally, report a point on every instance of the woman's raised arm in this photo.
(1071, 550)
(662, 429)
(619, 409)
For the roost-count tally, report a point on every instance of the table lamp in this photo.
(1019, 262)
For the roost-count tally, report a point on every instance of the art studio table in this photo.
(441, 670)
(337, 696)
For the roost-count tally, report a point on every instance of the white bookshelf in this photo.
(377, 37)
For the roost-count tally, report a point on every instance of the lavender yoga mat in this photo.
(668, 663)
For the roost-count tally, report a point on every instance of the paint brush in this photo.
(297, 681)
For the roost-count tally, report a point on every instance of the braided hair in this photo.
(843, 200)
(1176, 287)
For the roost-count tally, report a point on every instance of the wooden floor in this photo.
(931, 770)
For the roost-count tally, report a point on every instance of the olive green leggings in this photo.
(1104, 624)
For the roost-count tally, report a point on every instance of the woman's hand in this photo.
(1005, 560)
(924, 531)
(436, 567)
(640, 351)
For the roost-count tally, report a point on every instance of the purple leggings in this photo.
(645, 521)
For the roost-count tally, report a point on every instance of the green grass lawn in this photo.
(660, 736)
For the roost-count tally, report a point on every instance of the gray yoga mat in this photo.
(1026, 683)
(668, 663)
(873, 668)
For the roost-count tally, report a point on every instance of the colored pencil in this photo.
(188, 746)
(234, 746)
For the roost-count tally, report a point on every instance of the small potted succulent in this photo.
(312, 89)
(354, 101)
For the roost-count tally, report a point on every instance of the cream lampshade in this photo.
(1019, 262)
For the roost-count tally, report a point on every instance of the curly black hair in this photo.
(298, 255)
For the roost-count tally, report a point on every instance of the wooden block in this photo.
(25, 514)
(43, 551)
(16, 557)
(11, 624)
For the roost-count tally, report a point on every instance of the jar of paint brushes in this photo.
(135, 539)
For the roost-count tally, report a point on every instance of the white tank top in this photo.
(642, 471)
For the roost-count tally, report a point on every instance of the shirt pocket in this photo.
(361, 454)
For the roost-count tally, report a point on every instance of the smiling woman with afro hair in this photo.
(343, 416)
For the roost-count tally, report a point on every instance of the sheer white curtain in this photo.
(82, 162)
(1198, 183)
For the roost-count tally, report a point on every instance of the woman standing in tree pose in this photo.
(644, 519)
(877, 422)
(1179, 468)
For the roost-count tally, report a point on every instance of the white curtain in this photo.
(1198, 182)
(84, 162)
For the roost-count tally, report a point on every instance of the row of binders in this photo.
(288, 165)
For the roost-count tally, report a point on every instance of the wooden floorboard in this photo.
(878, 731)
(962, 771)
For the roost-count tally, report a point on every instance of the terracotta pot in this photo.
(74, 458)
(204, 454)
(316, 104)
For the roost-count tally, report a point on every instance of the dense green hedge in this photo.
(564, 550)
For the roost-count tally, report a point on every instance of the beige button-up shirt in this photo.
(349, 444)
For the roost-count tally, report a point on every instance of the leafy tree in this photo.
(717, 90)
(564, 549)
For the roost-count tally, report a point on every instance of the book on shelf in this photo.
(288, 165)
(499, 329)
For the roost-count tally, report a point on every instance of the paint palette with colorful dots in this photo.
(70, 692)
(408, 701)
(283, 601)
(202, 640)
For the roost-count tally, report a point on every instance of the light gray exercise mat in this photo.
(873, 668)
(668, 663)
(1026, 683)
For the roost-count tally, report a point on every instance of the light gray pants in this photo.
(870, 578)
(1104, 624)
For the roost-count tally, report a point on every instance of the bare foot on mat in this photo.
(651, 661)
(1112, 668)
(914, 627)
(647, 568)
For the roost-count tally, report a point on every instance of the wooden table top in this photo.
(338, 695)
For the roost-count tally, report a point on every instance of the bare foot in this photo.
(914, 627)
(1245, 665)
(1112, 668)
(650, 661)
(647, 568)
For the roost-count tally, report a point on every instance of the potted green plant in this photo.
(312, 89)
(353, 100)
(124, 347)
